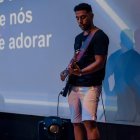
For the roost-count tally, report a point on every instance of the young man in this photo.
(86, 79)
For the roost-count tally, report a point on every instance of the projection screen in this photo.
(36, 44)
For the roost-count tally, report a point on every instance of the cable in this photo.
(58, 104)
(64, 92)
(103, 107)
(104, 113)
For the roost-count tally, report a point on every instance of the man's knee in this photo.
(90, 124)
(77, 125)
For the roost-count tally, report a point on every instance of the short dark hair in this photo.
(83, 6)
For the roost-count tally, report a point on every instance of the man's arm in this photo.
(93, 67)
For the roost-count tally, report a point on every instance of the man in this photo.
(86, 79)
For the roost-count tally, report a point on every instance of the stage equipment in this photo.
(55, 128)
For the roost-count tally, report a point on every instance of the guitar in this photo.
(65, 74)
(73, 63)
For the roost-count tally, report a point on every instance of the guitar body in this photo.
(66, 89)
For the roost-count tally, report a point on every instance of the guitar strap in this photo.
(79, 53)
(85, 45)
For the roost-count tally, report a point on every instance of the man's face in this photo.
(84, 19)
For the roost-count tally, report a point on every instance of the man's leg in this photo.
(92, 130)
(79, 131)
(89, 112)
(75, 109)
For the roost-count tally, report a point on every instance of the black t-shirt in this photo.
(98, 46)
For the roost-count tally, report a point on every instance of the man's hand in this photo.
(64, 74)
(74, 70)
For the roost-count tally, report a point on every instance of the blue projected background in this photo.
(36, 44)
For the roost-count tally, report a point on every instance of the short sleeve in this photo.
(101, 43)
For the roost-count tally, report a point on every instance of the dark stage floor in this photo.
(26, 127)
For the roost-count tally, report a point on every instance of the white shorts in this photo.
(83, 103)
